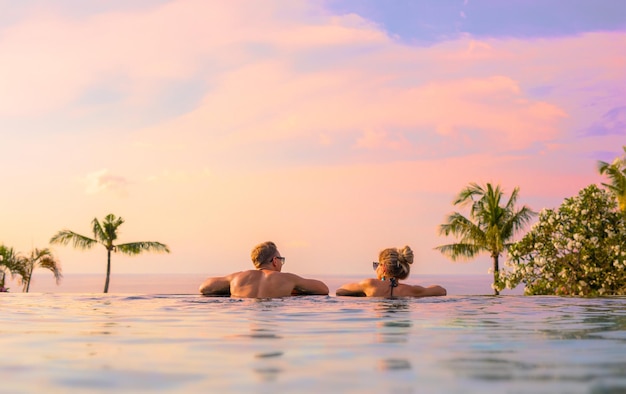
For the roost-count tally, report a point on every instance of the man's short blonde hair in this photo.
(263, 254)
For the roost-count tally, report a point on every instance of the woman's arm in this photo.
(430, 291)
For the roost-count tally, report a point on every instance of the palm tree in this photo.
(10, 261)
(490, 226)
(106, 234)
(42, 258)
(616, 172)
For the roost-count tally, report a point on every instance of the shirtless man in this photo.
(266, 281)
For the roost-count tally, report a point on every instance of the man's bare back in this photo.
(267, 281)
(262, 284)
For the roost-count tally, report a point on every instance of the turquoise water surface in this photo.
(93, 343)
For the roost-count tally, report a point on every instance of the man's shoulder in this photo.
(287, 275)
(240, 274)
(247, 272)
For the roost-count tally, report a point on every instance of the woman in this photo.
(393, 265)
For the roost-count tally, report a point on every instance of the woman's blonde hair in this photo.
(397, 261)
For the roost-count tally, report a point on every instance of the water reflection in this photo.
(393, 328)
(566, 341)
(395, 323)
(266, 340)
(451, 345)
(389, 306)
(263, 333)
(394, 364)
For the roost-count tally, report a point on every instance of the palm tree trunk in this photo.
(106, 284)
(496, 268)
(30, 275)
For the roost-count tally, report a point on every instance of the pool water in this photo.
(93, 343)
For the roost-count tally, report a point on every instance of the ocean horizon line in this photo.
(188, 283)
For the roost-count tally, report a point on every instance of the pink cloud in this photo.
(102, 181)
(287, 74)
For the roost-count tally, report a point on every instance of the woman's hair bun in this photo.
(405, 255)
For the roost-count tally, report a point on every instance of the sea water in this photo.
(184, 343)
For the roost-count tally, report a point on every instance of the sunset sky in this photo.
(335, 128)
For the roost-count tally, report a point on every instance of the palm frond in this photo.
(456, 224)
(98, 231)
(49, 263)
(470, 235)
(616, 172)
(602, 166)
(134, 248)
(466, 195)
(13, 262)
(64, 237)
(460, 251)
(111, 224)
(521, 219)
(510, 205)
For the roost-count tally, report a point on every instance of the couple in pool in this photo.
(267, 280)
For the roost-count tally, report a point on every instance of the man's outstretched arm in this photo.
(351, 290)
(219, 286)
(309, 286)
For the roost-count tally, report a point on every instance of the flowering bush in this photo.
(579, 249)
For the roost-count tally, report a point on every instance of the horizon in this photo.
(335, 128)
(188, 283)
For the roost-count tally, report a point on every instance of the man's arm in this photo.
(219, 286)
(430, 291)
(309, 286)
(351, 290)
